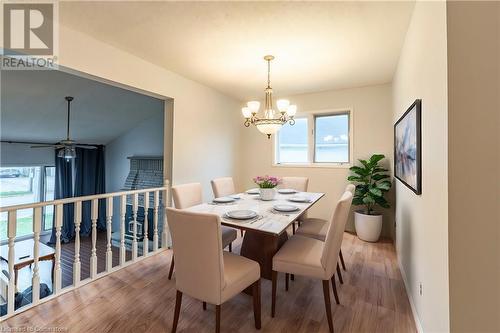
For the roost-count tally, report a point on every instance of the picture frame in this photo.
(408, 148)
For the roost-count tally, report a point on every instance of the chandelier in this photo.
(272, 120)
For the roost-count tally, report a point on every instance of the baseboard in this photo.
(414, 312)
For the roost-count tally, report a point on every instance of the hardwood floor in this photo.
(67, 259)
(140, 298)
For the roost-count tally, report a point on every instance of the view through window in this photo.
(23, 185)
(315, 138)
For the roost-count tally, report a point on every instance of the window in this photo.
(292, 143)
(319, 138)
(331, 140)
(24, 185)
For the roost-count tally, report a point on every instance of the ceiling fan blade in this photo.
(86, 146)
(44, 146)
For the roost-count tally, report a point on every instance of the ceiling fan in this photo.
(67, 146)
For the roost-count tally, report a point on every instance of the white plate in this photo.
(253, 191)
(299, 198)
(224, 200)
(287, 191)
(235, 196)
(285, 208)
(242, 214)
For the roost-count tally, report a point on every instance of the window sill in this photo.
(313, 165)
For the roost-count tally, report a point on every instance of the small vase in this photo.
(267, 194)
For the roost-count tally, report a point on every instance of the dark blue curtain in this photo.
(88, 169)
(64, 189)
(89, 180)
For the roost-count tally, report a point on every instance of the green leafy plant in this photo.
(372, 183)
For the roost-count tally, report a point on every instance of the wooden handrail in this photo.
(83, 198)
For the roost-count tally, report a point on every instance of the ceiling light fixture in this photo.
(272, 121)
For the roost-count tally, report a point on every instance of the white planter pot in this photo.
(368, 227)
(267, 194)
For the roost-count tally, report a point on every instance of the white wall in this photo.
(146, 139)
(14, 154)
(205, 139)
(372, 126)
(474, 165)
(422, 221)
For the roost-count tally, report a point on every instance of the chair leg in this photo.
(342, 260)
(273, 297)
(328, 306)
(293, 228)
(171, 270)
(217, 318)
(334, 287)
(256, 303)
(241, 232)
(178, 301)
(231, 247)
(204, 306)
(286, 281)
(292, 277)
(339, 273)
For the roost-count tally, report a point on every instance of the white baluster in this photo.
(166, 198)
(56, 277)
(123, 212)
(145, 244)
(155, 220)
(11, 234)
(37, 227)
(135, 205)
(77, 263)
(109, 220)
(93, 253)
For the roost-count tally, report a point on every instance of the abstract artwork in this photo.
(407, 148)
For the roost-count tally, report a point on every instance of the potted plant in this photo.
(372, 184)
(267, 186)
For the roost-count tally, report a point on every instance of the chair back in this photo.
(223, 186)
(296, 183)
(350, 188)
(187, 195)
(197, 244)
(335, 233)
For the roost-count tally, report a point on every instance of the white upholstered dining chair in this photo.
(313, 258)
(317, 228)
(204, 271)
(188, 195)
(298, 184)
(223, 186)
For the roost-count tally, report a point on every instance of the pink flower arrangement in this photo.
(267, 181)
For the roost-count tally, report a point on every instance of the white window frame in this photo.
(311, 123)
(41, 188)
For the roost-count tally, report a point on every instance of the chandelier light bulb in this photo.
(253, 106)
(282, 104)
(247, 113)
(292, 110)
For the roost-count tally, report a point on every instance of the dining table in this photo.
(267, 231)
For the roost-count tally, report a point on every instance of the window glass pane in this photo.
(49, 195)
(19, 185)
(292, 143)
(332, 139)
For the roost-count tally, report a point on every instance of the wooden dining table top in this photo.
(268, 220)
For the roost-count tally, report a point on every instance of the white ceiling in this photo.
(318, 45)
(33, 108)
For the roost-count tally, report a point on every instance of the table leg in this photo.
(262, 247)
